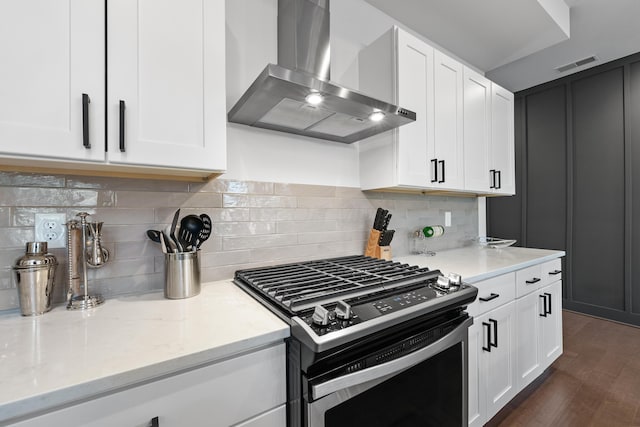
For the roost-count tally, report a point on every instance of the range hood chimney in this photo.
(296, 95)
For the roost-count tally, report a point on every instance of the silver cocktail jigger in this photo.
(97, 255)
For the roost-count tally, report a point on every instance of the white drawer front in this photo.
(551, 271)
(493, 293)
(528, 280)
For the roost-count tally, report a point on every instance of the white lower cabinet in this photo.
(248, 391)
(516, 335)
(551, 324)
(498, 362)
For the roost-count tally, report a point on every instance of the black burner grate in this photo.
(295, 287)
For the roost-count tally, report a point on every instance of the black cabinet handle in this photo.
(155, 422)
(548, 295)
(499, 173)
(85, 121)
(532, 281)
(495, 333)
(544, 306)
(122, 108)
(434, 170)
(492, 174)
(554, 272)
(488, 346)
(489, 298)
(443, 176)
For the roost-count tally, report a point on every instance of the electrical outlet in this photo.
(51, 228)
(447, 219)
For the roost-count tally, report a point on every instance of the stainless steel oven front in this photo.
(416, 376)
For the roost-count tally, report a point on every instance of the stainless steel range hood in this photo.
(279, 99)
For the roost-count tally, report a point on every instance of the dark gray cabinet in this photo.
(598, 189)
(578, 181)
(546, 177)
(633, 120)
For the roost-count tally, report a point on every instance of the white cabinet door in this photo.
(477, 131)
(167, 82)
(222, 394)
(445, 155)
(52, 53)
(528, 352)
(415, 92)
(476, 401)
(551, 323)
(499, 364)
(502, 140)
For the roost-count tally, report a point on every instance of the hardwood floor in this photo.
(596, 381)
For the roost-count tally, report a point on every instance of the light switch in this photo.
(447, 219)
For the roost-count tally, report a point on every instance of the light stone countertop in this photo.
(477, 263)
(63, 356)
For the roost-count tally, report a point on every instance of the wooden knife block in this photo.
(375, 251)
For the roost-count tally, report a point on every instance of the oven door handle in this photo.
(393, 366)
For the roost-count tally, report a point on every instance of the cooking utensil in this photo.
(206, 230)
(163, 243)
(154, 235)
(172, 231)
(190, 228)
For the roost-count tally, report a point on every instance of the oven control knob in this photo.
(343, 310)
(454, 279)
(443, 282)
(320, 316)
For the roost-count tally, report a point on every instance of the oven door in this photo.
(427, 387)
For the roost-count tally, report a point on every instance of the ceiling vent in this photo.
(577, 63)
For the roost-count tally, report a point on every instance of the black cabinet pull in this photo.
(499, 174)
(554, 272)
(85, 121)
(488, 346)
(443, 176)
(122, 107)
(544, 306)
(548, 295)
(532, 281)
(495, 333)
(155, 422)
(434, 170)
(492, 178)
(489, 298)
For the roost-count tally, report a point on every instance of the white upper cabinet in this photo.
(167, 83)
(502, 158)
(445, 154)
(52, 53)
(462, 139)
(398, 68)
(415, 92)
(477, 131)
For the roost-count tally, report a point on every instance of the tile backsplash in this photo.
(254, 224)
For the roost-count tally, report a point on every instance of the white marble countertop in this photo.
(476, 263)
(51, 360)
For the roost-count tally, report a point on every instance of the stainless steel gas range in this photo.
(373, 342)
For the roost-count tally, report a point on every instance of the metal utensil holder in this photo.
(85, 251)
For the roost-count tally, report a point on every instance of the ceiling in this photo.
(519, 44)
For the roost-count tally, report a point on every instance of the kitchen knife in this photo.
(385, 239)
(377, 222)
(386, 221)
(172, 231)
